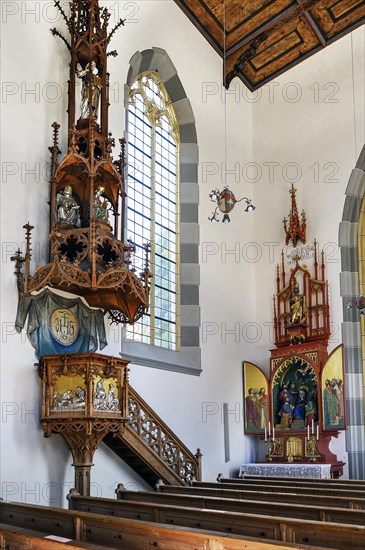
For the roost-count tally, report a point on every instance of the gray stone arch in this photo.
(349, 285)
(188, 359)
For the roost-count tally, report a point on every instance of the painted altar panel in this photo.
(295, 395)
(333, 391)
(256, 399)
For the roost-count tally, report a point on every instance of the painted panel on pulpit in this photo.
(333, 392)
(69, 393)
(256, 399)
(295, 395)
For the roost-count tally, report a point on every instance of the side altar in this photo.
(301, 405)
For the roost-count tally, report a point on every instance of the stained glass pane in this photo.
(152, 205)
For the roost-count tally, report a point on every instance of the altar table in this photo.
(320, 471)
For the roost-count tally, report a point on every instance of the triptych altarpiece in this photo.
(301, 404)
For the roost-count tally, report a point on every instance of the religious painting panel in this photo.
(68, 393)
(256, 399)
(106, 395)
(295, 395)
(333, 392)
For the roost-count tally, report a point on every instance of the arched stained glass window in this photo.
(153, 205)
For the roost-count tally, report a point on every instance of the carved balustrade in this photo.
(161, 440)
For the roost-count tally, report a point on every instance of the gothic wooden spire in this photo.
(296, 231)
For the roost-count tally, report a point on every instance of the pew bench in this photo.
(276, 528)
(282, 509)
(127, 534)
(268, 495)
(292, 488)
(355, 483)
(18, 538)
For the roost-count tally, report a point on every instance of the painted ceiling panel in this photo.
(261, 39)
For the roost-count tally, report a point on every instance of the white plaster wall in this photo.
(35, 469)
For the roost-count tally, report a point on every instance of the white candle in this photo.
(317, 432)
(308, 434)
(269, 429)
(265, 433)
(312, 426)
(273, 434)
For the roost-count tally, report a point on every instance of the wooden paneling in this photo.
(282, 35)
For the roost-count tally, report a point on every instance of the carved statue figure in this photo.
(100, 397)
(88, 80)
(299, 410)
(112, 400)
(100, 206)
(80, 396)
(286, 414)
(297, 306)
(310, 411)
(67, 207)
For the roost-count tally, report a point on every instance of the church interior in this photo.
(183, 274)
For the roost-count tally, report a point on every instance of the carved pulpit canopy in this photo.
(88, 253)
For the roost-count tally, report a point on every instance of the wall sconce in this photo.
(225, 203)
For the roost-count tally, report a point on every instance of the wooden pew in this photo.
(268, 495)
(280, 528)
(16, 538)
(139, 509)
(137, 498)
(359, 485)
(126, 534)
(330, 482)
(258, 486)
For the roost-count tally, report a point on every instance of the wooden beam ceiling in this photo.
(261, 39)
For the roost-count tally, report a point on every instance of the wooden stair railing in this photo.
(151, 448)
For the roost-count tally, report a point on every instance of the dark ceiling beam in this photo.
(249, 37)
(317, 30)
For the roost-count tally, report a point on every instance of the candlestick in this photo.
(317, 432)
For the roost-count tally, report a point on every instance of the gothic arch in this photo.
(352, 283)
(188, 358)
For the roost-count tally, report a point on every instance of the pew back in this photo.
(335, 483)
(288, 488)
(269, 495)
(17, 538)
(149, 508)
(126, 534)
(278, 528)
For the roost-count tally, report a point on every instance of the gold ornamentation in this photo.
(293, 448)
(64, 326)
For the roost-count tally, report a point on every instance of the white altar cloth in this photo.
(320, 471)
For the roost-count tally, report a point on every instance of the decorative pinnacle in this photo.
(296, 230)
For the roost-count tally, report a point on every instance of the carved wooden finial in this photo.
(296, 231)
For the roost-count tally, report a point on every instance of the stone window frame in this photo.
(188, 359)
